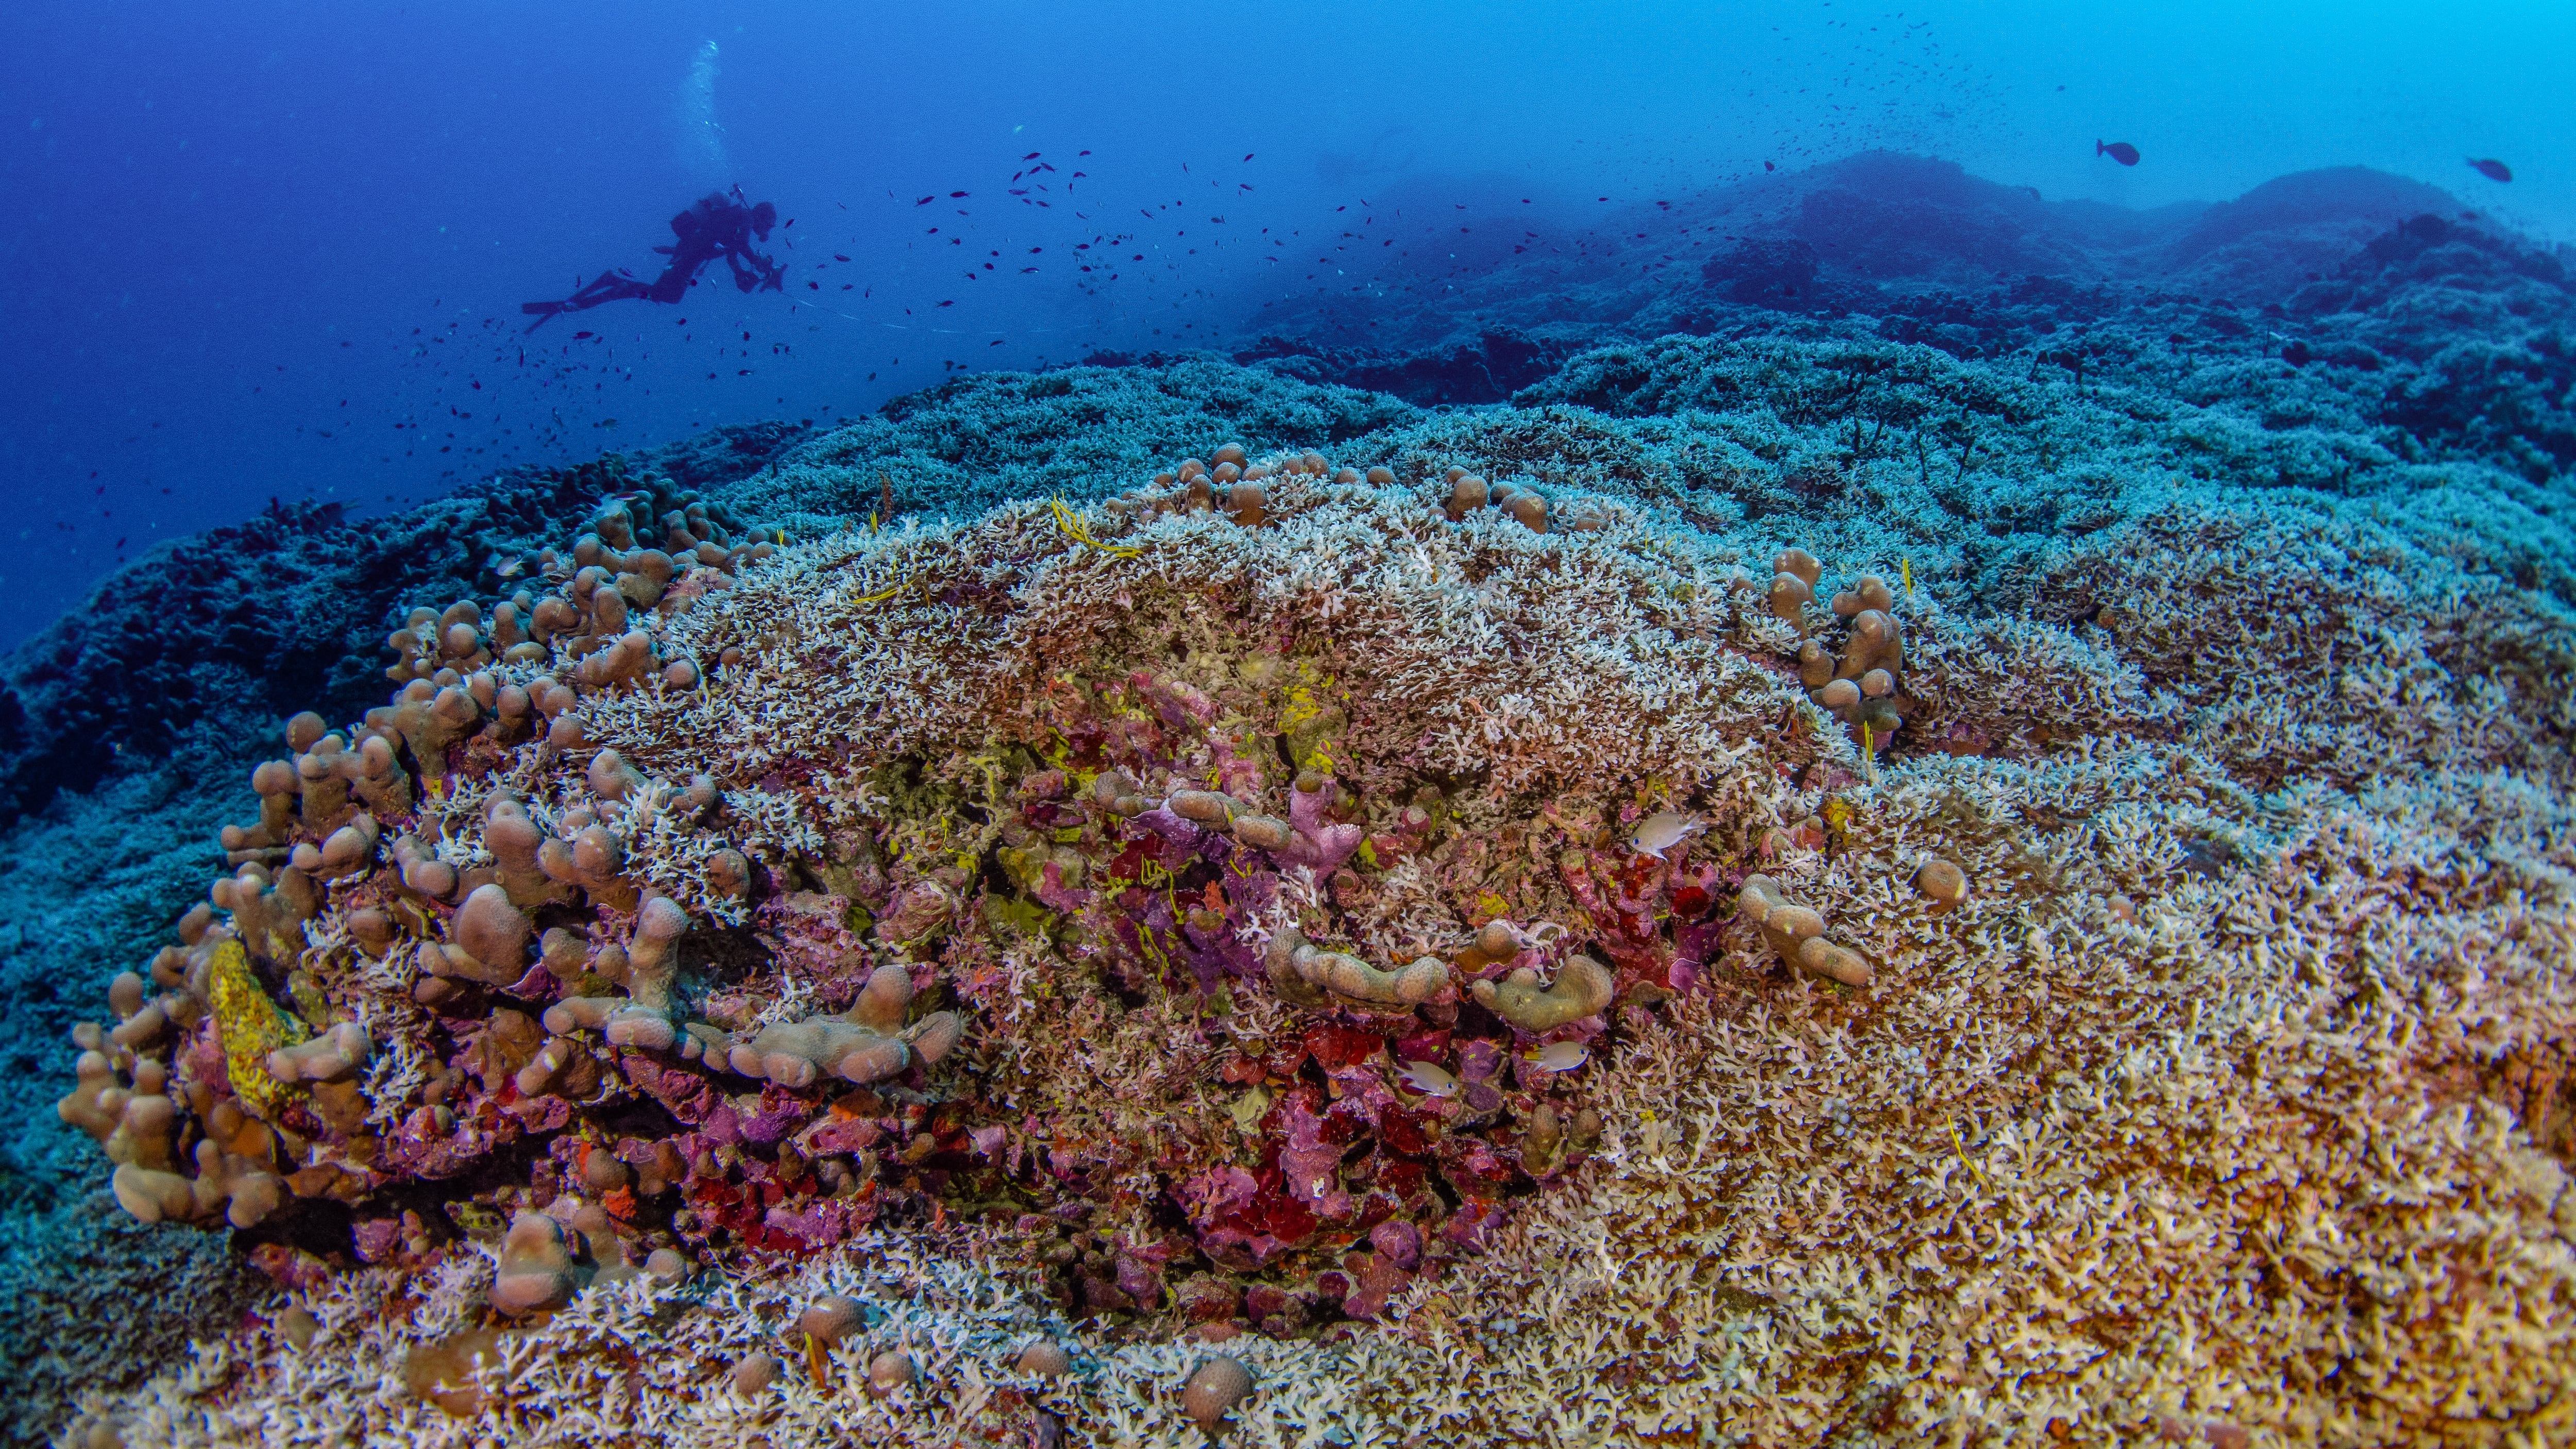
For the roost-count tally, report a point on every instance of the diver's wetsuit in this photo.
(717, 225)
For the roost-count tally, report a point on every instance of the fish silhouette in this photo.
(2491, 169)
(2120, 151)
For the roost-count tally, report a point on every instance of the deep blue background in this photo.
(275, 249)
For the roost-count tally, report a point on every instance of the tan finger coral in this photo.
(1943, 882)
(537, 1269)
(330, 1057)
(645, 967)
(489, 938)
(1582, 988)
(1865, 684)
(1797, 933)
(1793, 585)
(1309, 976)
(867, 1043)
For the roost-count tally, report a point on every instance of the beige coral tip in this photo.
(275, 777)
(1943, 881)
(1799, 922)
(1834, 963)
(661, 920)
(891, 1370)
(1213, 1391)
(490, 929)
(829, 1318)
(1264, 832)
(1583, 987)
(298, 1326)
(151, 1195)
(601, 1172)
(754, 1373)
(609, 776)
(729, 874)
(871, 1061)
(937, 1036)
(667, 1265)
(1495, 941)
(1204, 806)
(1799, 564)
(328, 1057)
(1788, 594)
(536, 1270)
(1529, 510)
(1045, 1359)
(1426, 978)
(347, 849)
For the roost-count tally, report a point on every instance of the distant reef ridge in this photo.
(1945, 812)
(2459, 324)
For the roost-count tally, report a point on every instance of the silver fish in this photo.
(1429, 1080)
(1663, 830)
(1560, 1056)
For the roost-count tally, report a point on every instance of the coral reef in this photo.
(1789, 889)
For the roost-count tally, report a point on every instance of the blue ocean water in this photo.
(278, 250)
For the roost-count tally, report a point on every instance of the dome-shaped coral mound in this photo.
(1474, 961)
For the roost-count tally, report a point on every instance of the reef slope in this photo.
(2226, 1092)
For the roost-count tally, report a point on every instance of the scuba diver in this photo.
(716, 225)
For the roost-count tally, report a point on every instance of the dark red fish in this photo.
(2491, 169)
(2120, 151)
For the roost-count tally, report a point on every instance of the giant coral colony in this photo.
(1225, 893)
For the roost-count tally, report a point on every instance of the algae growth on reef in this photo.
(1781, 889)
